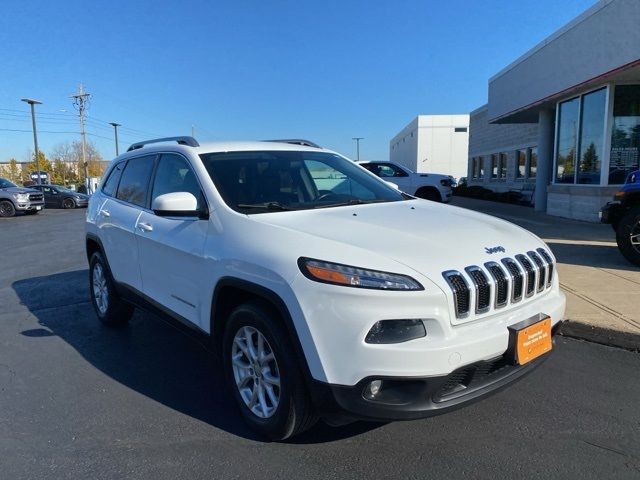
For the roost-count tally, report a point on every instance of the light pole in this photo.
(115, 129)
(357, 139)
(32, 102)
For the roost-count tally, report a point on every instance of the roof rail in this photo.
(296, 141)
(190, 141)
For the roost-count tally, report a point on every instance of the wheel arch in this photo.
(231, 292)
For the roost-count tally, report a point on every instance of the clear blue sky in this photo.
(248, 69)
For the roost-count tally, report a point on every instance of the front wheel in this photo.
(68, 203)
(628, 235)
(431, 194)
(263, 373)
(7, 209)
(109, 307)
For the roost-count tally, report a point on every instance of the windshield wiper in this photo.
(355, 201)
(265, 206)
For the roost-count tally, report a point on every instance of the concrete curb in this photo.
(604, 336)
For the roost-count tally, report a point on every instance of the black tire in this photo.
(68, 203)
(7, 209)
(428, 193)
(628, 234)
(294, 412)
(117, 311)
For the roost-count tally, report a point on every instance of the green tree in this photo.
(14, 171)
(589, 159)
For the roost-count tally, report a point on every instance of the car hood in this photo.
(425, 236)
(20, 190)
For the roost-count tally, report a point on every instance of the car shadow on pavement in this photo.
(597, 256)
(149, 355)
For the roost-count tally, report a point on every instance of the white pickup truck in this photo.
(430, 186)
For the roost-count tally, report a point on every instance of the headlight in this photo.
(21, 197)
(347, 276)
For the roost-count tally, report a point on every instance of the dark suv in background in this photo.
(623, 213)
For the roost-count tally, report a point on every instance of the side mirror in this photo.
(177, 204)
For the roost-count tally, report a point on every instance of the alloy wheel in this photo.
(100, 289)
(255, 371)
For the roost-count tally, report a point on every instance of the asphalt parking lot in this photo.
(80, 400)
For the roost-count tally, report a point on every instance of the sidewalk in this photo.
(602, 288)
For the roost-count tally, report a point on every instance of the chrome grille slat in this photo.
(461, 292)
(482, 288)
(501, 282)
(517, 279)
(530, 275)
(547, 258)
(542, 270)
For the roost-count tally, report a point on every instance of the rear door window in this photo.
(134, 184)
(111, 184)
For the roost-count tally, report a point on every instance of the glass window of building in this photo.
(494, 166)
(567, 140)
(474, 167)
(625, 133)
(593, 110)
(481, 161)
(522, 163)
(503, 165)
(533, 162)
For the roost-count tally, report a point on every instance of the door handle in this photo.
(105, 213)
(145, 227)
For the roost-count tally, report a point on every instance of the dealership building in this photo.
(563, 121)
(433, 144)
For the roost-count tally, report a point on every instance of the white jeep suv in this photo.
(328, 293)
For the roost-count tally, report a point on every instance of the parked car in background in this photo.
(430, 186)
(623, 213)
(61, 197)
(18, 199)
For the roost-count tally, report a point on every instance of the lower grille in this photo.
(472, 377)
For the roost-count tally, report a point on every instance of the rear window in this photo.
(134, 183)
(111, 184)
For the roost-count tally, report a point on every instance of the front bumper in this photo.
(404, 398)
(610, 212)
(29, 206)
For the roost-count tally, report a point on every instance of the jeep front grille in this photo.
(36, 197)
(500, 284)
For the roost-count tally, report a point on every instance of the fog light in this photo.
(373, 389)
(395, 331)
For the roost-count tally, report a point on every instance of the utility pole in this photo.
(80, 100)
(115, 129)
(357, 139)
(32, 102)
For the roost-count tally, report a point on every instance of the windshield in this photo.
(261, 181)
(6, 183)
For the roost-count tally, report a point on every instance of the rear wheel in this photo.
(7, 209)
(68, 203)
(263, 374)
(109, 307)
(628, 235)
